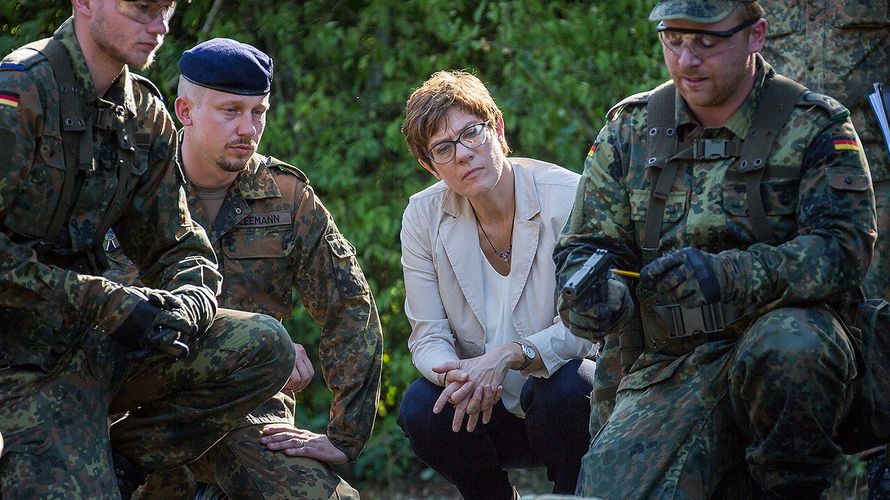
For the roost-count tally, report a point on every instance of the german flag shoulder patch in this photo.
(9, 99)
(846, 145)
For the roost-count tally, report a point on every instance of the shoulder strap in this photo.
(832, 106)
(661, 110)
(271, 161)
(640, 98)
(77, 143)
(782, 94)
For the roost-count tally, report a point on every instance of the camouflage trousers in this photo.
(55, 422)
(877, 282)
(240, 466)
(763, 407)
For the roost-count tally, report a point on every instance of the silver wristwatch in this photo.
(528, 352)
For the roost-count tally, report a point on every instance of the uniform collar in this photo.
(256, 180)
(121, 90)
(740, 121)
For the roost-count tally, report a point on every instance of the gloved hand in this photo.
(688, 276)
(158, 324)
(591, 318)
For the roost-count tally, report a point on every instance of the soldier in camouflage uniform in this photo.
(841, 48)
(762, 222)
(272, 235)
(86, 145)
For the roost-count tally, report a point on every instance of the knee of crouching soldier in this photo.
(781, 339)
(262, 340)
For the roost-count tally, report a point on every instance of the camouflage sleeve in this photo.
(836, 220)
(157, 232)
(600, 217)
(335, 293)
(27, 151)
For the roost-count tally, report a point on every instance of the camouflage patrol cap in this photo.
(228, 66)
(699, 11)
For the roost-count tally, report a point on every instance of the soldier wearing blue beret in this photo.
(272, 235)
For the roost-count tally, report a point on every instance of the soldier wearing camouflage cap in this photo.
(272, 235)
(746, 202)
(88, 146)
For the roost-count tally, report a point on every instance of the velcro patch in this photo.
(281, 218)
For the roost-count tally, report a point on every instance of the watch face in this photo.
(528, 351)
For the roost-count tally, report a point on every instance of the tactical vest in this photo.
(671, 328)
(77, 122)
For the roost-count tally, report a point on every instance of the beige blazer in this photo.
(443, 270)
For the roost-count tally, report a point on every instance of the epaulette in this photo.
(149, 85)
(835, 109)
(641, 98)
(286, 167)
(22, 59)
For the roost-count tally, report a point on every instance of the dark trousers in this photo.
(553, 434)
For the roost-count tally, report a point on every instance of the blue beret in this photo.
(228, 66)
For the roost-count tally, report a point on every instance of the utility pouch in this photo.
(867, 425)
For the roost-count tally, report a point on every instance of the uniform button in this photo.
(812, 18)
(811, 67)
(192, 201)
(848, 180)
(238, 211)
(698, 190)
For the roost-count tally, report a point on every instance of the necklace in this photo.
(505, 255)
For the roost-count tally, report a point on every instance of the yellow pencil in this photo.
(628, 274)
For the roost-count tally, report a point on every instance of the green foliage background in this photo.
(343, 70)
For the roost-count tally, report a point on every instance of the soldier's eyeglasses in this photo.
(146, 11)
(702, 43)
(471, 137)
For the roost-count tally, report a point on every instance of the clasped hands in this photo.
(473, 386)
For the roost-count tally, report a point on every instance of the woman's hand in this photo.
(475, 385)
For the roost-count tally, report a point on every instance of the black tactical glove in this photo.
(160, 323)
(595, 317)
(688, 276)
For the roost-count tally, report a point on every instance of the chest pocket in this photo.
(32, 211)
(257, 269)
(779, 202)
(674, 210)
(859, 14)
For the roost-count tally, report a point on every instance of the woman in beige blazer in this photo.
(501, 386)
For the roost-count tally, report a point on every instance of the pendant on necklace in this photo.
(505, 255)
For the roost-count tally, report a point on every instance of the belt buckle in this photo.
(711, 149)
(687, 322)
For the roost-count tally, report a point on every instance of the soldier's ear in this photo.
(757, 36)
(183, 108)
(83, 7)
